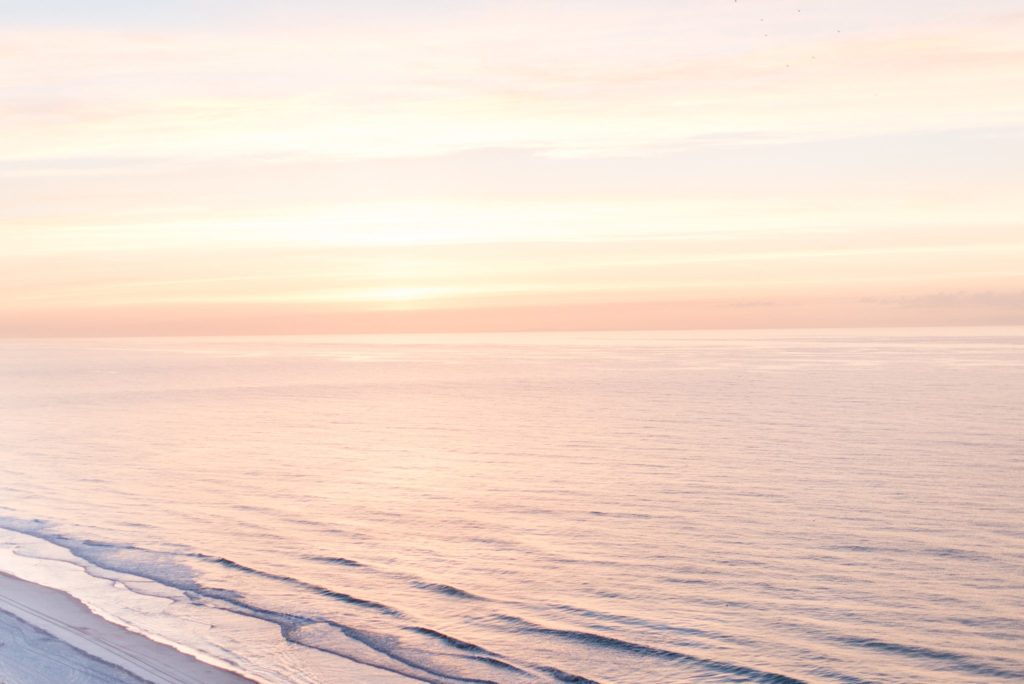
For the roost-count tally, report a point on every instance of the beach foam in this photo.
(51, 636)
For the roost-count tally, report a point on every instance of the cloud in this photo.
(656, 163)
(577, 85)
(988, 299)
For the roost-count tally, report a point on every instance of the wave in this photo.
(648, 624)
(494, 662)
(446, 589)
(567, 677)
(380, 652)
(962, 662)
(382, 645)
(315, 588)
(400, 663)
(613, 643)
(335, 560)
(940, 552)
(450, 640)
(467, 664)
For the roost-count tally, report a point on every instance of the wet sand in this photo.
(49, 636)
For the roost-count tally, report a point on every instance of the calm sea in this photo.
(817, 506)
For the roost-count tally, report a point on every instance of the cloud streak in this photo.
(325, 165)
(561, 89)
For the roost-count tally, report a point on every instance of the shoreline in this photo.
(48, 635)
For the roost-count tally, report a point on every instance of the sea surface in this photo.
(802, 506)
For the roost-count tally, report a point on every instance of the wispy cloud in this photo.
(661, 162)
(560, 88)
(1011, 300)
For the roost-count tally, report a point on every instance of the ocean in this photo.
(758, 506)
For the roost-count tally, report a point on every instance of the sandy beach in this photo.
(49, 636)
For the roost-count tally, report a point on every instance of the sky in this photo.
(257, 166)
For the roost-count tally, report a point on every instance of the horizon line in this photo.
(437, 333)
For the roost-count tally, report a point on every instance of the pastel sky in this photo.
(258, 166)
